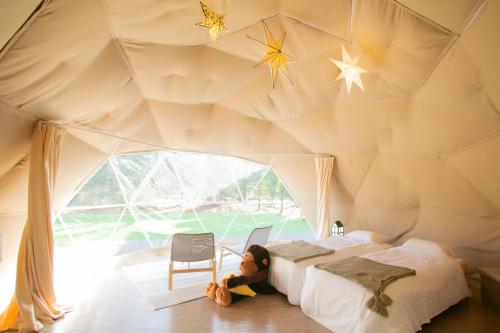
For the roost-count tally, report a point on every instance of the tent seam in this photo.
(212, 46)
(127, 62)
(471, 146)
(278, 125)
(453, 34)
(472, 15)
(13, 40)
(164, 147)
(364, 177)
(428, 20)
(290, 17)
(267, 122)
(436, 64)
(481, 193)
(24, 27)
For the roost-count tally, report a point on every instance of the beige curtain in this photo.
(34, 302)
(324, 176)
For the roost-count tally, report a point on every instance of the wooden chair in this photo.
(191, 248)
(258, 236)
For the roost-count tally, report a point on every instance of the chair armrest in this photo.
(232, 251)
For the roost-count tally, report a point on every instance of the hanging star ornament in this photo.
(273, 54)
(213, 22)
(349, 70)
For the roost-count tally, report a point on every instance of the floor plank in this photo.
(467, 316)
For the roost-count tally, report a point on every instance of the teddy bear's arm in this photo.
(246, 279)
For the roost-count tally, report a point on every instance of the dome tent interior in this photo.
(416, 152)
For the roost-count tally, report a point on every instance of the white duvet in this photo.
(288, 277)
(339, 303)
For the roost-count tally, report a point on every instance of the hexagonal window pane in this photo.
(102, 189)
(138, 201)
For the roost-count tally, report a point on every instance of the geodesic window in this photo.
(138, 201)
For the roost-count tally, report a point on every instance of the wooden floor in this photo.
(467, 316)
(116, 305)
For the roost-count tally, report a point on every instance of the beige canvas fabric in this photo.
(34, 301)
(416, 153)
(12, 15)
(324, 185)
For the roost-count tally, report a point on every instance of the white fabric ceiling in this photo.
(417, 153)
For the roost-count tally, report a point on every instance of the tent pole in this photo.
(243, 154)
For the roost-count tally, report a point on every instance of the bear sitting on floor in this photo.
(254, 270)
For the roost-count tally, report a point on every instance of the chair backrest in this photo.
(258, 236)
(192, 247)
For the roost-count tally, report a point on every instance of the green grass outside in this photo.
(96, 226)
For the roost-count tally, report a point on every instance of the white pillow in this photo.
(426, 246)
(365, 236)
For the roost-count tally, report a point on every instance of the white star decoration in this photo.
(349, 70)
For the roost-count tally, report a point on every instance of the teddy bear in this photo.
(254, 270)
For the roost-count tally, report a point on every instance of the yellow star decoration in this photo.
(213, 22)
(273, 54)
(349, 70)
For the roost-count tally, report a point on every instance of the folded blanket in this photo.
(372, 275)
(298, 250)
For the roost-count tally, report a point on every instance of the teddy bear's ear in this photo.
(264, 262)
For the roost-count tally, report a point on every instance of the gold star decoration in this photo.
(349, 70)
(213, 22)
(273, 54)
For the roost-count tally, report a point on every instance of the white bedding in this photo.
(288, 277)
(339, 303)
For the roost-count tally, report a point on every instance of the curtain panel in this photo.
(34, 302)
(324, 182)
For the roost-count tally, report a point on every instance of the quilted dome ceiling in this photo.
(99, 62)
(419, 145)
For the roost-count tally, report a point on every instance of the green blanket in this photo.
(298, 250)
(372, 275)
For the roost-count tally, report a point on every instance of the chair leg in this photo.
(221, 256)
(214, 270)
(170, 272)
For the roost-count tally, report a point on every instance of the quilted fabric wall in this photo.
(417, 153)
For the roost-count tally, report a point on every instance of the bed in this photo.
(288, 277)
(339, 303)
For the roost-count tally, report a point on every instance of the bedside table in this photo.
(490, 286)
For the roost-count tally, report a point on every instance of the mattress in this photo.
(339, 303)
(288, 277)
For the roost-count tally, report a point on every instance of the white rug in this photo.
(164, 299)
(151, 278)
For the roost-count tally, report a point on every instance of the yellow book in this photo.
(243, 289)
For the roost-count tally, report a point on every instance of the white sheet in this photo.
(339, 303)
(288, 277)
